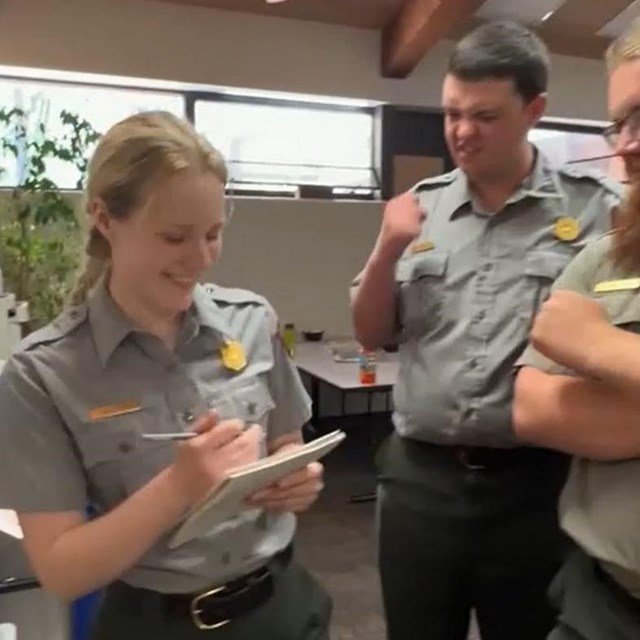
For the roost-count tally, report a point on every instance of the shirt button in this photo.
(473, 363)
(188, 417)
(487, 267)
(124, 447)
(481, 315)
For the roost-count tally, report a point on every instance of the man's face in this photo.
(486, 124)
(624, 108)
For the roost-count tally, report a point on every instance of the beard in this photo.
(626, 239)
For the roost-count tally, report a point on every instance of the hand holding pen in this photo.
(204, 459)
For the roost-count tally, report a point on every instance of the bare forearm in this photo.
(616, 359)
(94, 554)
(582, 417)
(374, 306)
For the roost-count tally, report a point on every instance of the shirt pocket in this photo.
(542, 268)
(116, 458)
(623, 308)
(422, 282)
(248, 400)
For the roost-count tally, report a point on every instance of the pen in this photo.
(162, 437)
(249, 409)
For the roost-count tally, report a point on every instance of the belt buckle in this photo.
(197, 612)
(463, 456)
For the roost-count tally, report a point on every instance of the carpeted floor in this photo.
(336, 541)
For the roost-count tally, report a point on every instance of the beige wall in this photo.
(301, 255)
(150, 39)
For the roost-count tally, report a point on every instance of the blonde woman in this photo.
(145, 348)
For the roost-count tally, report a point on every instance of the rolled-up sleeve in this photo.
(39, 468)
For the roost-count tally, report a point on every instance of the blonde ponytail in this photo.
(98, 254)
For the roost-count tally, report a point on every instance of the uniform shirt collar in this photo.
(110, 326)
(540, 183)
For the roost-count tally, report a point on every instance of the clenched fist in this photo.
(401, 224)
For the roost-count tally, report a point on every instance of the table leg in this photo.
(369, 496)
(315, 399)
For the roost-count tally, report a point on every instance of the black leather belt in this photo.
(216, 607)
(478, 458)
(487, 458)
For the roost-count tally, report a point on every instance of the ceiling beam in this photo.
(587, 15)
(577, 43)
(416, 28)
(566, 41)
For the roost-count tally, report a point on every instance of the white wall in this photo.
(301, 255)
(151, 39)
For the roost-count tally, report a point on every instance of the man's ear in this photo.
(536, 108)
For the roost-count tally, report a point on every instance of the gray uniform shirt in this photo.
(77, 395)
(468, 290)
(598, 507)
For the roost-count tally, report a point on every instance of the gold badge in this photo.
(113, 410)
(421, 247)
(629, 284)
(233, 356)
(566, 229)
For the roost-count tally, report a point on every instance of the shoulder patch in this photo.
(435, 181)
(63, 325)
(230, 295)
(593, 175)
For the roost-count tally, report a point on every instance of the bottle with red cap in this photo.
(367, 366)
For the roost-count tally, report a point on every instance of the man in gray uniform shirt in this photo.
(467, 513)
(578, 393)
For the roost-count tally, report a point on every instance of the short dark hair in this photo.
(503, 50)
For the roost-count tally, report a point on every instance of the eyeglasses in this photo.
(629, 124)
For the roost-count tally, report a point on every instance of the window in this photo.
(280, 148)
(275, 145)
(584, 149)
(100, 106)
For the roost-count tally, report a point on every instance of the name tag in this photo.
(421, 247)
(113, 410)
(628, 284)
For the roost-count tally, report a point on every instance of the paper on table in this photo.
(9, 523)
(227, 500)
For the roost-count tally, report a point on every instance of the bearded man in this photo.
(578, 391)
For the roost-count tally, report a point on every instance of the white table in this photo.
(9, 523)
(317, 361)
